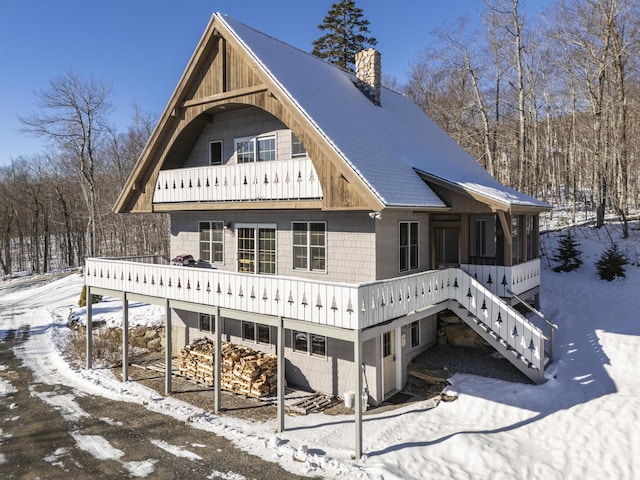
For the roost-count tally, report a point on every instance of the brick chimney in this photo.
(369, 74)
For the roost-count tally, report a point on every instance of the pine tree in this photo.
(568, 254)
(347, 34)
(611, 263)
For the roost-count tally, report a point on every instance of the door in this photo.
(447, 247)
(389, 362)
(256, 250)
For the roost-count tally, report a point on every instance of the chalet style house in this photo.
(329, 221)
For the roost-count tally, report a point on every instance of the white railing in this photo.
(294, 179)
(510, 325)
(341, 305)
(502, 280)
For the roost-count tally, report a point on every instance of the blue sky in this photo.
(141, 47)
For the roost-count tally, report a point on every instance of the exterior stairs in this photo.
(502, 327)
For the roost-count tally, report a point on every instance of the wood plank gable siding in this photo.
(221, 73)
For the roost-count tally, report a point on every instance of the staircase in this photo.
(502, 326)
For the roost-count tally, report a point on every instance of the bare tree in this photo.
(72, 115)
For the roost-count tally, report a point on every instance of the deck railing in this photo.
(502, 280)
(351, 306)
(294, 179)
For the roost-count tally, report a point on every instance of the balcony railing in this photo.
(294, 179)
(341, 305)
(503, 281)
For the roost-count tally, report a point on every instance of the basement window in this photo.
(309, 343)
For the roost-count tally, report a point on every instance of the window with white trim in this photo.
(415, 333)
(310, 246)
(408, 246)
(309, 343)
(215, 152)
(256, 249)
(212, 241)
(297, 148)
(252, 149)
(256, 332)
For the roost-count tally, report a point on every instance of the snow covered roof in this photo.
(385, 145)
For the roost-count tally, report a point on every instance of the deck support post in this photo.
(217, 362)
(357, 362)
(167, 349)
(125, 337)
(89, 352)
(280, 374)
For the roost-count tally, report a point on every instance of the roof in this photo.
(391, 146)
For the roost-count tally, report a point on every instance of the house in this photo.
(330, 219)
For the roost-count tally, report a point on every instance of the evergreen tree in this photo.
(347, 34)
(568, 254)
(611, 263)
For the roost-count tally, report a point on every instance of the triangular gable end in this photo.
(221, 74)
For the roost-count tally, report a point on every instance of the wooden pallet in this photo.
(314, 403)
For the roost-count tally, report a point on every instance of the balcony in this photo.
(294, 179)
(349, 306)
(505, 281)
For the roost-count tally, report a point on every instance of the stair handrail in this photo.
(540, 315)
(497, 300)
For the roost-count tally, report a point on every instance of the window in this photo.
(256, 332)
(386, 344)
(251, 149)
(206, 322)
(483, 239)
(297, 148)
(309, 246)
(257, 250)
(447, 247)
(408, 246)
(532, 238)
(245, 150)
(310, 343)
(215, 152)
(517, 224)
(212, 242)
(415, 333)
(480, 230)
(266, 149)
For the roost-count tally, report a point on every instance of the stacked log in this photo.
(244, 370)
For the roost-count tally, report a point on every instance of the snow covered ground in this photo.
(583, 423)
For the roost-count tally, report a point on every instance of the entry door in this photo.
(447, 247)
(389, 361)
(256, 250)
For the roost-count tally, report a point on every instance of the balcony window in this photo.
(215, 152)
(517, 237)
(212, 241)
(256, 250)
(482, 239)
(532, 237)
(297, 148)
(252, 149)
(309, 246)
(408, 246)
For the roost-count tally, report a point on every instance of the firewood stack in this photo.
(244, 370)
